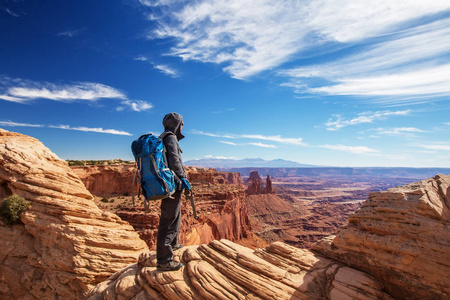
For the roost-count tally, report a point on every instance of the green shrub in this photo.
(106, 200)
(111, 201)
(12, 207)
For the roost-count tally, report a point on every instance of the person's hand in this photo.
(185, 185)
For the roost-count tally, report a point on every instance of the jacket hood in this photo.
(172, 122)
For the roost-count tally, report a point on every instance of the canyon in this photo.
(394, 245)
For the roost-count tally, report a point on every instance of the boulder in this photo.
(64, 243)
(401, 237)
(225, 270)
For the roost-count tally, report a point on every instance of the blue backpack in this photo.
(157, 180)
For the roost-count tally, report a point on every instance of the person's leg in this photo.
(169, 227)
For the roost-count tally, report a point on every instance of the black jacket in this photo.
(172, 122)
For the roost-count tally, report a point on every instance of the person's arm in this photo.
(173, 156)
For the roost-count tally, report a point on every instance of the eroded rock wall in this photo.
(65, 244)
(402, 237)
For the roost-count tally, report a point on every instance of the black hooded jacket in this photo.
(172, 122)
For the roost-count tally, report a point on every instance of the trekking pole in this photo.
(193, 205)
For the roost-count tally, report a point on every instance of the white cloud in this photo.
(337, 122)
(10, 12)
(25, 91)
(228, 143)
(141, 58)
(351, 149)
(399, 131)
(263, 145)
(241, 34)
(87, 129)
(433, 81)
(135, 105)
(275, 138)
(15, 124)
(445, 147)
(71, 33)
(167, 70)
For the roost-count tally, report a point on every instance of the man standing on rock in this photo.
(169, 223)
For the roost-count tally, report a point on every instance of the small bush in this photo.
(111, 201)
(106, 200)
(12, 207)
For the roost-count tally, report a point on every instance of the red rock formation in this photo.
(395, 247)
(253, 175)
(113, 180)
(401, 237)
(255, 187)
(222, 214)
(268, 189)
(64, 244)
(106, 181)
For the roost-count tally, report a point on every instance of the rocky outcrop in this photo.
(402, 237)
(113, 180)
(225, 270)
(64, 244)
(396, 246)
(107, 180)
(255, 187)
(212, 176)
(296, 223)
(222, 214)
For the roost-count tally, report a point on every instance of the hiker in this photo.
(169, 223)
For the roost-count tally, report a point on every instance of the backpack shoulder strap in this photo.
(164, 134)
(161, 137)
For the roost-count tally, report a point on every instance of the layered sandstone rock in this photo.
(225, 270)
(107, 180)
(222, 214)
(402, 237)
(395, 247)
(65, 243)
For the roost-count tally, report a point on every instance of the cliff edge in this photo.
(396, 246)
(64, 243)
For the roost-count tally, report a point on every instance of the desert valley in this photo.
(259, 235)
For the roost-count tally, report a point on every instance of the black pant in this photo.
(169, 227)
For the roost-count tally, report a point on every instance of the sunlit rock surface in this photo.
(225, 270)
(64, 244)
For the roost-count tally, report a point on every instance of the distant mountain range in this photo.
(245, 163)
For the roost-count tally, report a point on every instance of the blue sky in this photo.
(339, 83)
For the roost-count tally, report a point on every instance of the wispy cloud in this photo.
(351, 149)
(167, 70)
(66, 127)
(22, 91)
(436, 146)
(263, 145)
(87, 129)
(16, 124)
(135, 105)
(25, 91)
(400, 131)
(71, 33)
(228, 143)
(275, 138)
(11, 13)
(240, 34)
(337, 121)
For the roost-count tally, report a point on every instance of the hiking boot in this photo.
(170, 266)
(176, 247)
